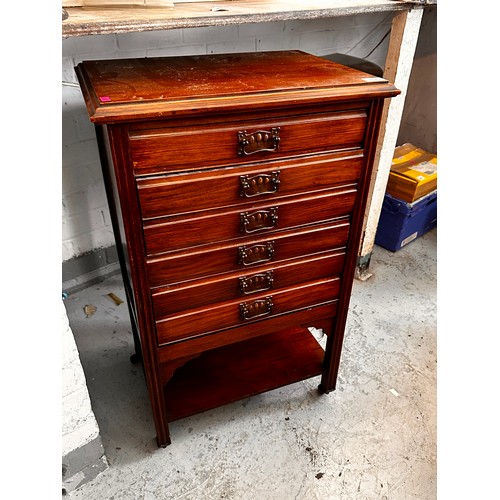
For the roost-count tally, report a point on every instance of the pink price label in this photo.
(105, 98)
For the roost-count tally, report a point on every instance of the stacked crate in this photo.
(409, 209)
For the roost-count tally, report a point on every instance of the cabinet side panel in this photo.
(334, 344)
(124, 207)
(115, 209)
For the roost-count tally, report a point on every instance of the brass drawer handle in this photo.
(259, 220)
(255, 283)
(256, 309)
(255, 253)
(259, 184)
(261, 140)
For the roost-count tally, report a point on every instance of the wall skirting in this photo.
(89, 268)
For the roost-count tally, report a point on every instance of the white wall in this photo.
(86, 222)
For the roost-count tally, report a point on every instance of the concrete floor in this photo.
(374, 437)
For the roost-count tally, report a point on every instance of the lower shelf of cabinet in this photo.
(237, 371)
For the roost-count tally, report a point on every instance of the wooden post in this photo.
(404, 35)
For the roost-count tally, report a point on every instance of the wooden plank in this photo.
(106, 20)
(121, 3)
(399, 61)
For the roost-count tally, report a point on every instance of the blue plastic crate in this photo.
(401, 222)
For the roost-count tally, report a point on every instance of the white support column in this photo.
(399, 61)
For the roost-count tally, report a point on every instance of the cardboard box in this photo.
(413, 173)
(400, 222)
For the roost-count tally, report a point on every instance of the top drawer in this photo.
(216, 144)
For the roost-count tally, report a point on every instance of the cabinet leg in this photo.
(331, 362)
(323, 390)
(164, 442)
(137, 356)
(161, 424)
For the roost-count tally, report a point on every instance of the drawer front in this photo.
(204, 146)
(186, 193)
(239, 312)
(262, 219)
(311, 316)
(245, 254)
(200, 293)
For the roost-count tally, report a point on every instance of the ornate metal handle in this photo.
(259, 184)
(259, 220)
(255, 253)
(256, 309)
(256, 283)
(261, 140)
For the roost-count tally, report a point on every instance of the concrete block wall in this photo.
(87, 238)
(82, 451)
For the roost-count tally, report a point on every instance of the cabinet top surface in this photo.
(120, 90)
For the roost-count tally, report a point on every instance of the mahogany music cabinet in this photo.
(237, 186)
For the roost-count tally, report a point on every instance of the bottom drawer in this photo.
(242, 311)
(320, 316)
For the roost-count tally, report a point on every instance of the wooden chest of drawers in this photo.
(237, 186)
